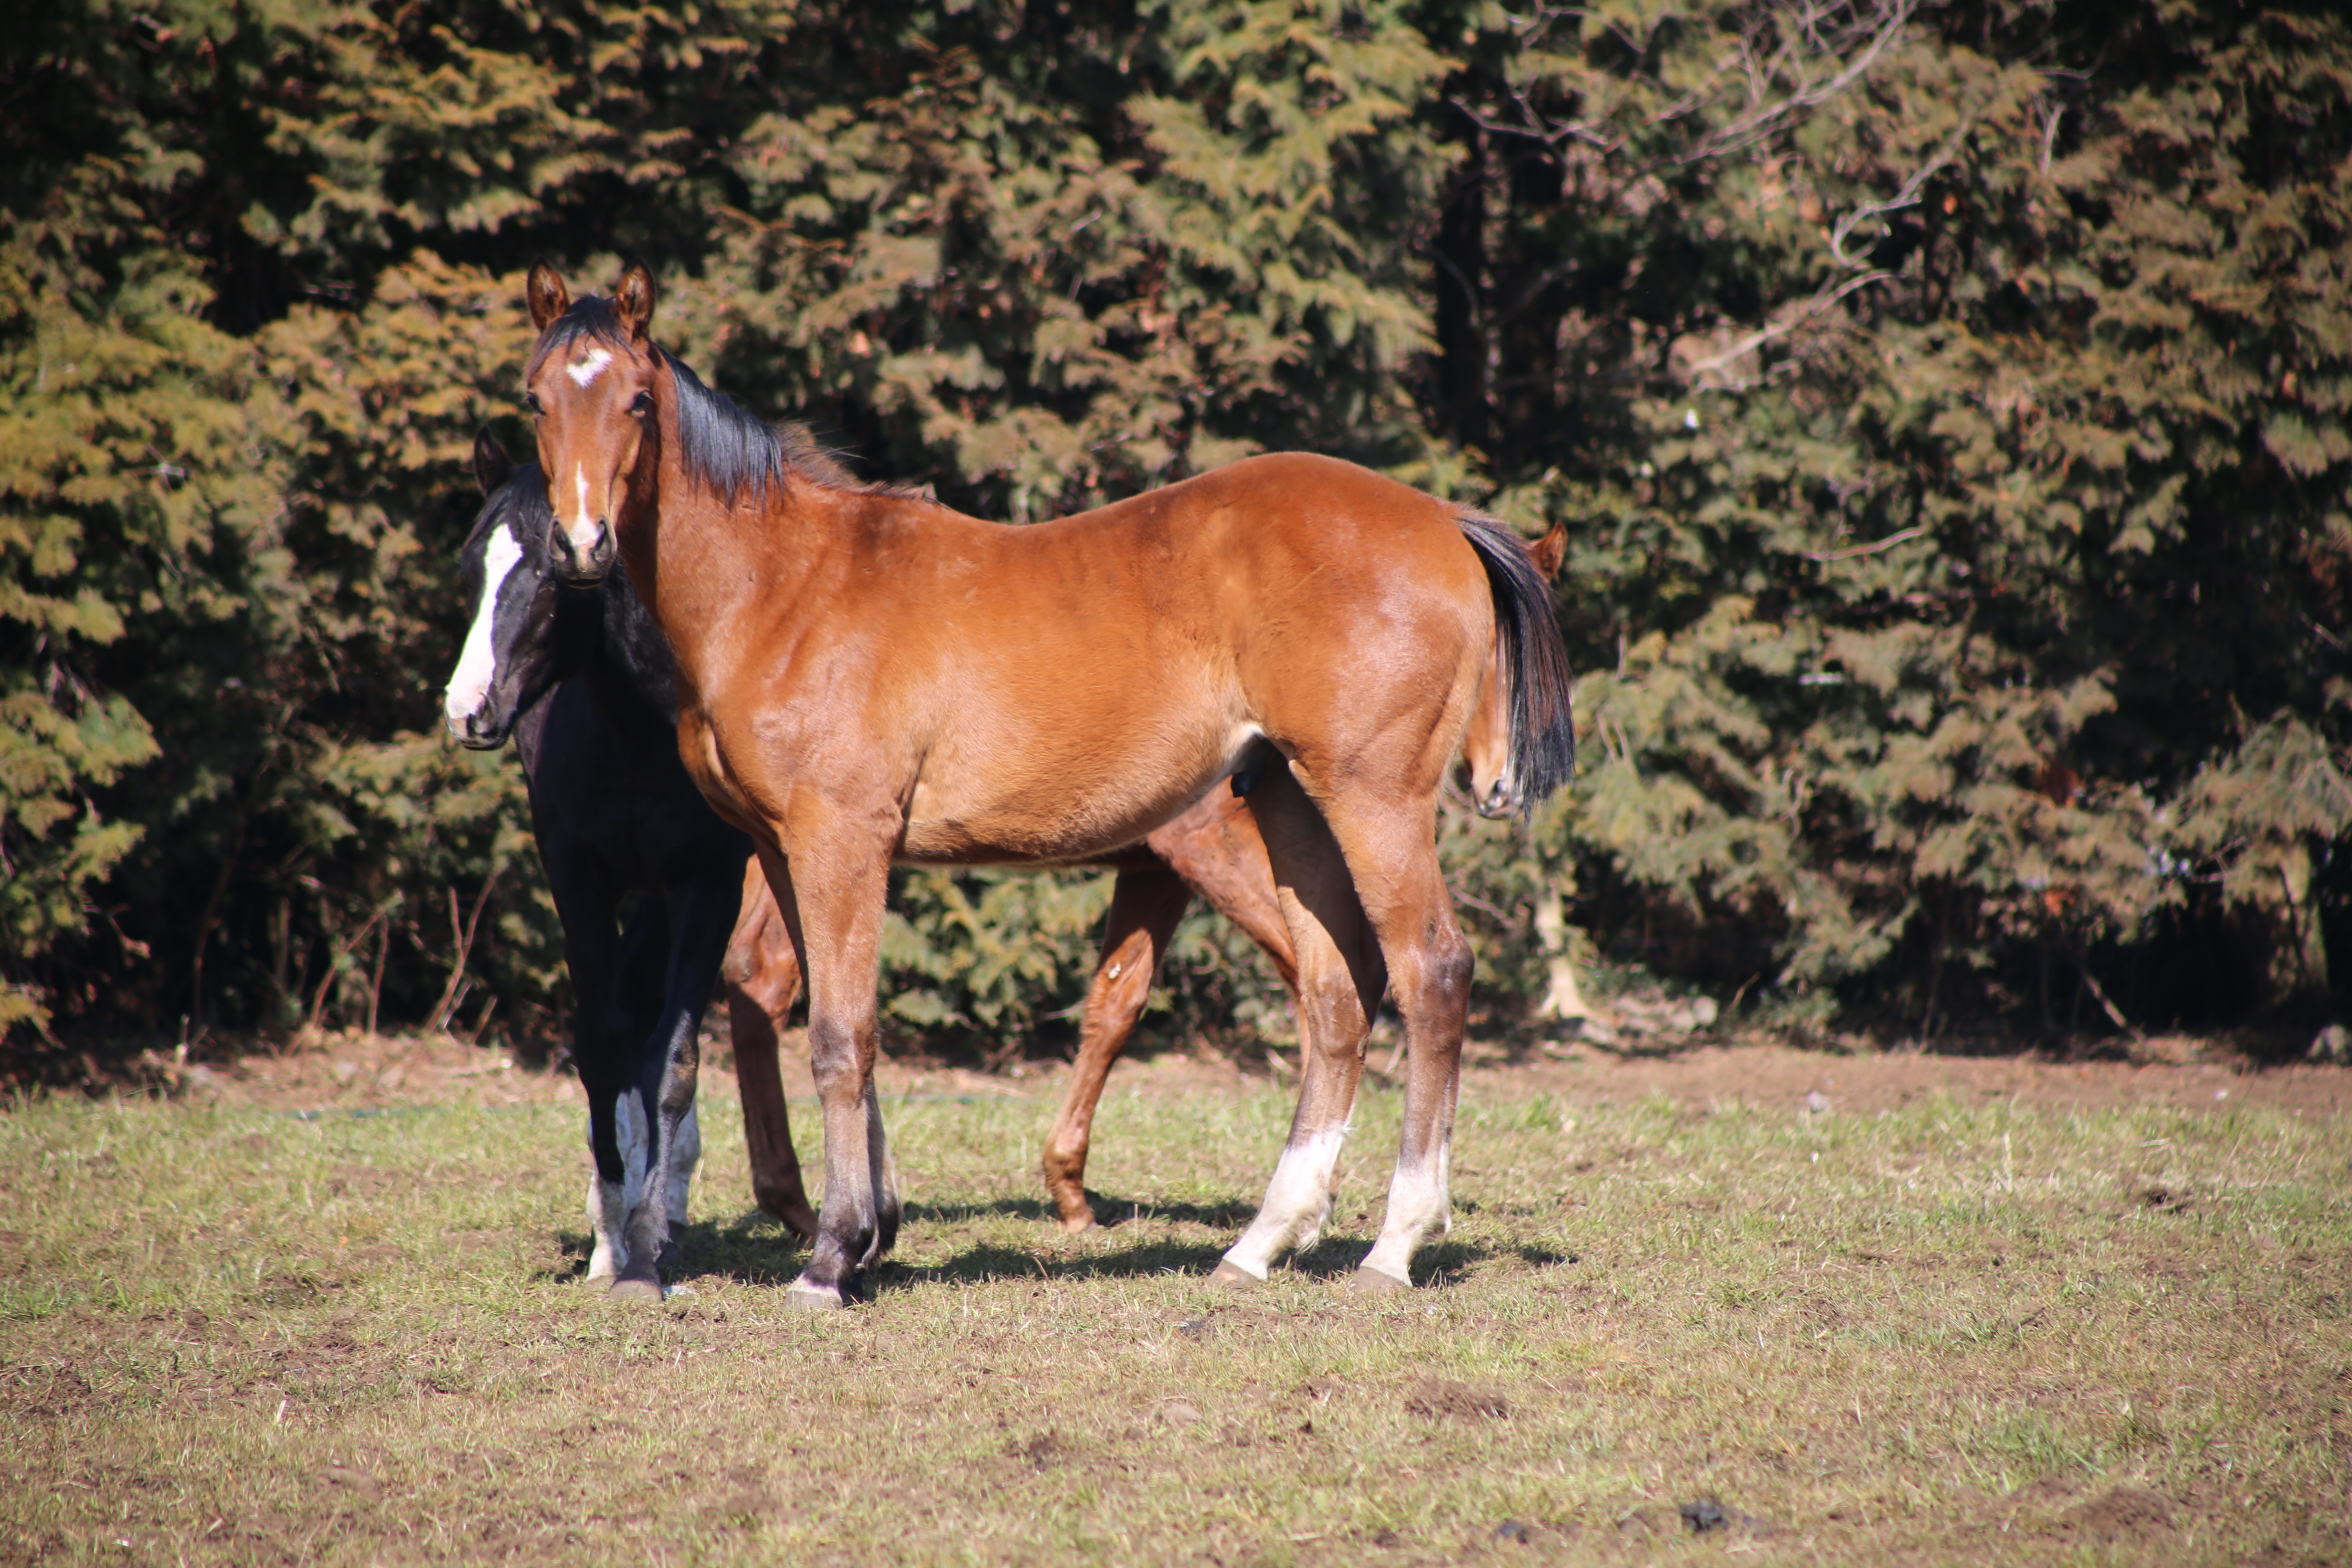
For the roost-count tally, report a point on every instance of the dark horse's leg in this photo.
(616, 983)
(701, 916)
(763, 976)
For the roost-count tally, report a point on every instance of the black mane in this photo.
(729, 450)
(724, 447)
(522, 495)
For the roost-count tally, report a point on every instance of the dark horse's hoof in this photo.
(634, 1290)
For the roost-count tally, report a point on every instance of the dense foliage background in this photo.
(1947, 404)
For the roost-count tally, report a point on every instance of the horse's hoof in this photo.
(634, 1290)
(1377, 1280)
(811, 1297)
(1078, 1224)
(1227, 1275)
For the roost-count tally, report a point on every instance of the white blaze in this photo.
(589, 366)
(583, 525)
(478, 665)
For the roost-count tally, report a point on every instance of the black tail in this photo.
(1533, 660)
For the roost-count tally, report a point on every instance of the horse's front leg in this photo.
(617, 978)
(701, 918)
(831, 888)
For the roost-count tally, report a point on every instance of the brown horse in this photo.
(866, 677)
(1212, 849)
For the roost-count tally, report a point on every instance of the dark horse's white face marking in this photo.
(509, 648)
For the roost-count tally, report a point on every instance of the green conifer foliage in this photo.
(1974, 486)
(1948, 404)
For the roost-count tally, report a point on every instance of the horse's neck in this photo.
(575, 643)
(704, 563)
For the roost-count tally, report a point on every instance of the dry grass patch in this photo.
(1946, 1334)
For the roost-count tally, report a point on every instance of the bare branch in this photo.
(1905, 198)
(1827, 295)
(1872, 548)
(1805, 38)
(1886, 21)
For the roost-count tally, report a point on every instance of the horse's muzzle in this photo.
(479, 732)
(575, 566)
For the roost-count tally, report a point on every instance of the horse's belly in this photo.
(1062, 803)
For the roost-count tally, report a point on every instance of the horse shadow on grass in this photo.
(1110, 1213)
(750, 1249)
(754, 1250)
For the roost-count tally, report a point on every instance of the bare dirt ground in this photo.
(353, 1071)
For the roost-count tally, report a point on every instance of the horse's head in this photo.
(509, 660)
(590, 384)
(1486, 770)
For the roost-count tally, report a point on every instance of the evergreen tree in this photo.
(1947, 403)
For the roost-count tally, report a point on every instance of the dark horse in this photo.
(867, 677)
(583, 681)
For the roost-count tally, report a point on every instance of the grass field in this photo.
(1944, 1333)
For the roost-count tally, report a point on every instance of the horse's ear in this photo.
(633, 300)
(1550, 551)
(492, 467)
(548, 295)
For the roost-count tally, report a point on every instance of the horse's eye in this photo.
(642, 404)
(531, 404)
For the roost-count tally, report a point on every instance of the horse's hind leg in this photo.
(1218, 849)
(887, 1207)
(1339, 982)
(1145, 905)
(763, 976)
(1430, 966)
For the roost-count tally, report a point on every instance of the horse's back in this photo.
(1066, 687)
